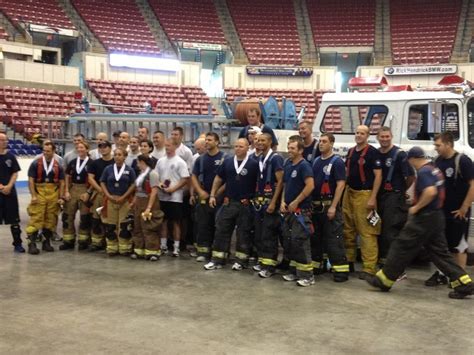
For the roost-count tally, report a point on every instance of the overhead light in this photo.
(143, 62)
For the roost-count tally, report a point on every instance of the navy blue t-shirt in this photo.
(401, 171)
(371, 162)
(242, 186)
(207, 165)
(456, 187)
(265, 129)
(83, 176)
(337, 172)
(294, 178)
(273, 164)
(428, 176)
(33, 172)
(311, 152)
(8, 166)
(128, 178)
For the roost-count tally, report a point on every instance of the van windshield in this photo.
(423, 127)
(345, 119)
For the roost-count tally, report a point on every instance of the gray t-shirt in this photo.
(154, 182)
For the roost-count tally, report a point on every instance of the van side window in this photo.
(420, 127)
(470, 122)
(345, 119)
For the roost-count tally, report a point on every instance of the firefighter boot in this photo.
(47, 234)
(32, 248)
(16, 235)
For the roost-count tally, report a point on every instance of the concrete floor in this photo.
(81, 303)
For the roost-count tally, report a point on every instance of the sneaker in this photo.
(154, 258)
(134, 256)
(56, 237)
(402, 277)
(266, 273)
(19, 249)
(176, 253)
(436, 279)
(237, 267)
(164, 250)
(212, 266)
(192, 253)
(257, 267)
(201, 258)
(462, 291)
(374, 281)
(305, 282)
(289, 277)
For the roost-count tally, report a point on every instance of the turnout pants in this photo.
(267, 231)
(146, 238)
(232, 214)
(205, 217)
(297, 231)
(97, 227)
(328, 238)
(69, 215)
(393, 210)
(44, 213)
(118, 228)
(423, 229)
(354, 209)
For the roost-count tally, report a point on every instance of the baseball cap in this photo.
(416, 152)
(105, 144)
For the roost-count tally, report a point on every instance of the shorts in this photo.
(457, 231)
(9, 213)
(173, 210)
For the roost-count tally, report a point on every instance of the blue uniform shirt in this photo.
(207, 165)
(401, 171)
(8, 166)
(242, 186)
(33, 172)
(128, 178)
(294, 179)
(428, 176)
(320, 168)
(83, 176)
(371, 162)
(274, 163)
(311, 152)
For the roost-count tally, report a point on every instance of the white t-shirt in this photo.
(195, 157)
(94, 154)
(186, 154)
(173, 169)
(158, 153)
(130, 158)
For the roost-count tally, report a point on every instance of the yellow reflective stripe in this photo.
(240, 255)
(139, 252)
(203, 249)
(82, 237)
(455, 283)
(385, 280)
(316, 264)
(218, 254)
(341, 268)
(463, 280)
(303, 267)
(292, 263)
(149, 252)
(269, 262)
(69, 237)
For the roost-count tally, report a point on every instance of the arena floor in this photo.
(81, 303)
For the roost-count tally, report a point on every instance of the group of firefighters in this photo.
(132, 197)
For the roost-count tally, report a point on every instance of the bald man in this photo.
(239, 174)
(101, 137)
(199, 148)
(364, 178)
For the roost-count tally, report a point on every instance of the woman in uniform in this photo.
(117, 183)
(148, 216)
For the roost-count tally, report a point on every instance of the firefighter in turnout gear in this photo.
(296, 210)
(239, 174)
(329, 182)
(46, 185)
(265, 206)
(204, 171)
(364, 177)
(76, 197)
(425, 228)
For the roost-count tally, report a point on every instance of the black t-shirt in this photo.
(207, 165)
(311, 152)
(336, 172)
(456, 187)
(370, 162)
(8, 166)
(265, 129)
(97, 168)
(242, 186)
(294, 178)
(428, 176)
(401, 171)
(272, 165)
(78, 178)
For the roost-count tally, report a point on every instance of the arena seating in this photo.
(189, 20)
(44, 12)
(337, 23)
(3, 34)
(423, 39)
(21, 108)
(165, 99)
(118, 24)
(267, 30)
(17, 147)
